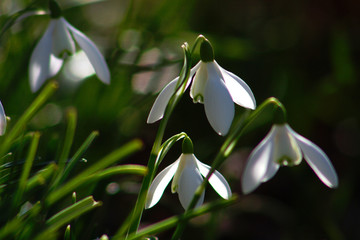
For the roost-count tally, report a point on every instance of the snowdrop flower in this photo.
(213, 86)
(186, 172)
(2, 120)
(284, 147)
(57, 42)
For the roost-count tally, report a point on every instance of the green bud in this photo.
(104, 237)
(74, 197)
(67, 235)
(55, 10)
(206, 51)
(280, 115)
(187, 146)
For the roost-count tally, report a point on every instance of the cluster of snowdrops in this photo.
(209, 84)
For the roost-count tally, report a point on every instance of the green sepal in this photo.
(206, 51)
(187, 146)
(280, 115)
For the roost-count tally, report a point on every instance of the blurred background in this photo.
(305, 53)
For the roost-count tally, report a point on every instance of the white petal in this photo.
(216, 180)
(271, 171)
(199, 83)
(62, 40)
(158, 109)
(317, 160)
(159, 184)
(55, 65)
(239, 90)
(39, 60)
(219, 106)
(260, 165)
(189, 181)
(2, 120)
(159, 106)
(92, 52)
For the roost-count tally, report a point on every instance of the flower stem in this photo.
(180, 89)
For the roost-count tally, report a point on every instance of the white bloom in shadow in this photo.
(186, 173)
(216, 88)
(2, 120)
(284, 147)
(57, 42)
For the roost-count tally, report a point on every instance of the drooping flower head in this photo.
(212, 86)
(2, 120)
(186, 174)
(284, 147)
(58, 42)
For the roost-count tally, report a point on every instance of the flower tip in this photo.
(246, 189)
(151, 119)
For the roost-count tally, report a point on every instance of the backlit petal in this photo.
(92, 52)
(216, 180)
(40, 60)
(55, 65)
(317, 160)
(219, 106)
(189, 181)
(260, 165)
(62, 40)
(272, 169)
(2, 120)
(159, 184)
(239, 90)
(199, 83)
(158, 109)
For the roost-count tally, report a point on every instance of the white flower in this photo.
(2, 120)
(216, 88)
(57, 41)
(283, 146)
(186, 171)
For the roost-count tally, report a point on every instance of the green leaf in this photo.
(174, 221)
(110, 159)
(69, 137)
(12, 226)
(77, 155)
(68, 214)
(26, 169)
(41, 177)
(20, 125)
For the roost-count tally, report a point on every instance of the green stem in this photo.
(115, 156)
(140, 203)
(225, 150)
(173, 221)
